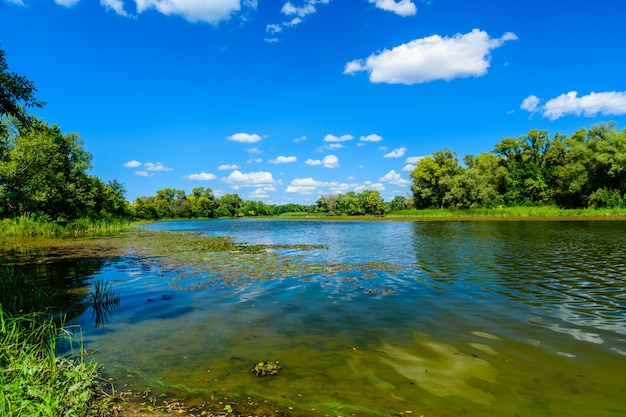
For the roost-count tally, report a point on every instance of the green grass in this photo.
(35, 380)
(34, 226)
(510, 213)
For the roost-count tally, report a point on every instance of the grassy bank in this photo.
(33, 226)
(545, 212)
(35, 379)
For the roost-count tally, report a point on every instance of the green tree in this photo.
(45, 171)
(229, 205)
(432, 178)
(372, 202)
(16, 94)
(350, 204)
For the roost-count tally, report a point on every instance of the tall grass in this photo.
(35, 226)
(35, 380)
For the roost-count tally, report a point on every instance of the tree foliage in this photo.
(16, 94)
(587, 169)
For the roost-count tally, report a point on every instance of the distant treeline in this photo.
(584, 170)
(201, 203)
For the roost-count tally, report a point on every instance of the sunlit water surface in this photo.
(475, 319)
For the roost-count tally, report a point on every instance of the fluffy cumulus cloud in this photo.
(209, 11)
(342, 138)
(245, 137)
(329, 161)
(606, 103)
(251, 179)
(311, 186)
(283, 160)
(116, 6)
(132, 164)
(202, 176)
(150, 166)
(368, 185)
(400, 7)
(392, 177)
(396, 153)
(431, 58)
(227, 167)
(371, 138)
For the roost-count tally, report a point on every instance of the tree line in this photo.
(202, 203)
(584, 170)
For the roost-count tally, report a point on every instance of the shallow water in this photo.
(423, 318)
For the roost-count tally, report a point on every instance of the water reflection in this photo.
(570, 271)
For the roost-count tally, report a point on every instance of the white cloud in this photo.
(342, 138)
(157, 167)
(298, 12)
(203, 176)
(392, 177)
(271, 40)
(142, 173)
(254, 151)
(132, 164)
(606, 103)
(329, 161)
(530, 103)
(283, 160)
(311, 186)
(209, 11)
(245, 138)
(400, 7)
(408, 167)
(255, 160)
(396, 153)
(226, 167)
(64, 3)
(413, 159)
(289, 9)
(431, 58)
(260, 192)
(300, 139)
(335, 146)
(272, 29)
(371, 138)
(238, 178)
(116, 5)
(304, 186)
(368, 185)
(16, 2)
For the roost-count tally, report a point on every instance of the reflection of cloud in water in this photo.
(577, 334)
(438, 368)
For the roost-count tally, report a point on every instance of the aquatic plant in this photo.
(37, 382)
(266, 368)
(103, 300)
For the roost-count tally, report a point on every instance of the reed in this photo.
(35, 378)
(35, 226)
(103, 301)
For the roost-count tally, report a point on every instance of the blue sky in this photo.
(284, 101)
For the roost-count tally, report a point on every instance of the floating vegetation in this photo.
(194, 261)
(266, 368)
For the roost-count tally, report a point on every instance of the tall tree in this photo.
(16, 94)
(432, 178)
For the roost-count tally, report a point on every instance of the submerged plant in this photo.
(266, 368)
(103, 301)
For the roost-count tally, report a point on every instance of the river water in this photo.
(505, 318)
